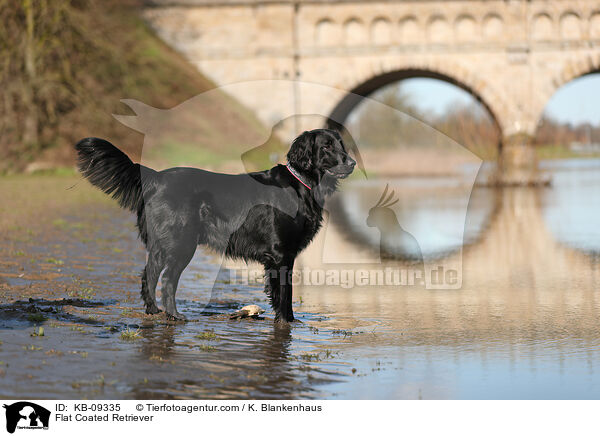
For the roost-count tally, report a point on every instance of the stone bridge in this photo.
(512, 55)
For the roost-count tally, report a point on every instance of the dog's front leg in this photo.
(278, 286)
(284, 311)
(272, 287)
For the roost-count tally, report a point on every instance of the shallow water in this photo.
(524, 323)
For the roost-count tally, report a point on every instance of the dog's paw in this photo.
(176, 317)
(153, 310)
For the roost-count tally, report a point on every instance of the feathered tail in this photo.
(108, 168)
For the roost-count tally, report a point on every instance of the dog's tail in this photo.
(108, 168)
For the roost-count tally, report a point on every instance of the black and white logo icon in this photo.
(26, 415)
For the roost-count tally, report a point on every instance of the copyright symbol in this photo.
(139, 407)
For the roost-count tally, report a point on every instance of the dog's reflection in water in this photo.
(246, 359)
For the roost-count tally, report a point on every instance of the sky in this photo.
(578, 101)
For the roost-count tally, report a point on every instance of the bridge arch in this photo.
(381, 31)
(355, 32)
(455, 76)
(570, 25)
(492, 26)
(542, 27)
(326, 32)
(410, 31)
(465, 28)
(439, 30)
(572, 70)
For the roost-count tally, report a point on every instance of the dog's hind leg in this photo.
(150, 275)
(176, 261)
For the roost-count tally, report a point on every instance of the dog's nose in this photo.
(350, 162)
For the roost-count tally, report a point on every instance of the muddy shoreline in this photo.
(70, 264)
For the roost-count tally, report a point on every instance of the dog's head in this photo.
(319, 153)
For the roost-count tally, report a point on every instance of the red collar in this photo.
(294, 173)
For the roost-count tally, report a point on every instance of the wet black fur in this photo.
(267, 216)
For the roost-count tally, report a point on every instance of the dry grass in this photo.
(130, 335)
(415, 162)
(90, 55)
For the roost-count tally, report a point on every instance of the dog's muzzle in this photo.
(342, 171)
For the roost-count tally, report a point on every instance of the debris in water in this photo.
(251, 311)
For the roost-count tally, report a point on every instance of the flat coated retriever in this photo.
(268, 216)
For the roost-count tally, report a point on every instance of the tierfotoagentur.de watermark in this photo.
(348, 278)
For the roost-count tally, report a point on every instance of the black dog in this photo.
(268, 216)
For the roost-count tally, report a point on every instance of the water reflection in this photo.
(245, 360)
(524, 324)
(433, 211)
(571, 210)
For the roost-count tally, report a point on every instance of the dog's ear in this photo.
(301, 151)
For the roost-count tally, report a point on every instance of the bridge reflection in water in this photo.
(525, 322)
